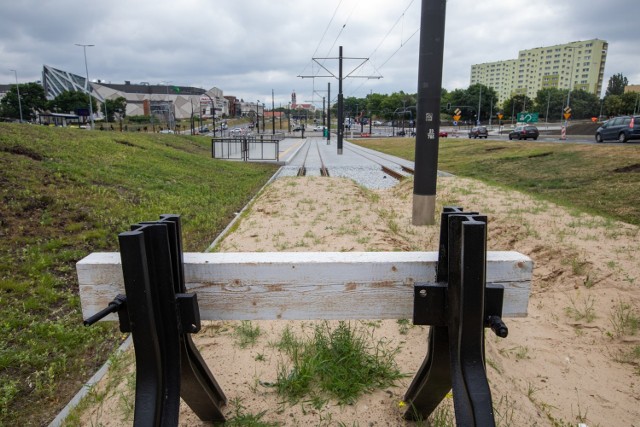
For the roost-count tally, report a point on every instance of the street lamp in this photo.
(169, 121)
(87, 86)
(573, 57)
(257, 126)
(18, 89)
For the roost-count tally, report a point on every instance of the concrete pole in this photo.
(428, 110)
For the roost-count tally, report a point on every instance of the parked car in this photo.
(478, 132)
(318, 128)
(443, 134)
(621, 129)
(524, 132)
(236, 130)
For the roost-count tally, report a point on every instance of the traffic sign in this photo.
(500, 116)
(528, 117)
(567, 115)
(456, 118)
(567, 110)
(458, 112)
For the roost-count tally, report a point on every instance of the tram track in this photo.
(302, 170)
(388, 170)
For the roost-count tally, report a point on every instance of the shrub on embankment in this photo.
(69, 192)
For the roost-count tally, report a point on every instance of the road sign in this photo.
(458, 112)
(500, 116)
(528, 117)
(567, 110)
(455, 123)
(456, 118)
(567, 115)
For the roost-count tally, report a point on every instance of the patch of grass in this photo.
(403, 326)
(624, 319)
(67, 193)
(342, 363)
(583, 310)
(246, 334)
(240, 418)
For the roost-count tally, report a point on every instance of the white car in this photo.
(320, 128)
(236, 130)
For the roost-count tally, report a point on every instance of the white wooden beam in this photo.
(305, 285)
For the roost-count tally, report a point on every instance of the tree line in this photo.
(475, 102)
(480, 100)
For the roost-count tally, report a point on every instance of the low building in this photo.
(178, 102)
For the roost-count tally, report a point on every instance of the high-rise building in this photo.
(575, 65)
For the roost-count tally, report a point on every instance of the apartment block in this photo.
(575, 65)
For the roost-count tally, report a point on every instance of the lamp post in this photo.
(573, 57)
(169, 121)
(263, 118)
(87, 86)
(18, 90)
(257, 116)
(273, 117)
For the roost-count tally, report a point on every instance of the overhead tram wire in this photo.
(377, 69)
(322, 38)
(388, 59)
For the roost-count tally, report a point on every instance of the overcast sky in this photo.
(249, 47)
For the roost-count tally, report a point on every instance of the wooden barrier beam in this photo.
(305, 285)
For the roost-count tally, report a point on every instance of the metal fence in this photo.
(247, 148)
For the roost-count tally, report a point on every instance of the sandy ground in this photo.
(570, 361)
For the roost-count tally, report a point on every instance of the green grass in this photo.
(341, 363)
(69, 192)
(596, 179)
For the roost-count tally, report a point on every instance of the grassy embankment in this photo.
(67, 193)
(598, 179)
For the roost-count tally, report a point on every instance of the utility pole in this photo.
(87, 85)
(340, 96)
(340, 103)
(329, 113)
(273, 117)
(432, 25)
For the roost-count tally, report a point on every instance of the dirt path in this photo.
(573, 359)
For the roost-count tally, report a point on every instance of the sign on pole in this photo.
(525, 117)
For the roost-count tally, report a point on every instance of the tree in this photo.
(517, 104)
(616, 85)
(550, 102)
(116, 108)
(70, 101)
(32, 100)
(584, 105)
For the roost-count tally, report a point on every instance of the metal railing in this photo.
(247, 148)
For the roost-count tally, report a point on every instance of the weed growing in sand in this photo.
(246, 334)
(583, 310)
(504, 410)
(624, 319)
(241, 418)
(520, 352)
(403, 326)
(631, 357)
(342, 362)
(494, 365)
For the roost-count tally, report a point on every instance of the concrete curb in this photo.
(96, 378)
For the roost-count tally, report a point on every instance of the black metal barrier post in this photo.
(458, 308)
(160, 316)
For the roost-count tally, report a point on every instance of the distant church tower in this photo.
(293, 99)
